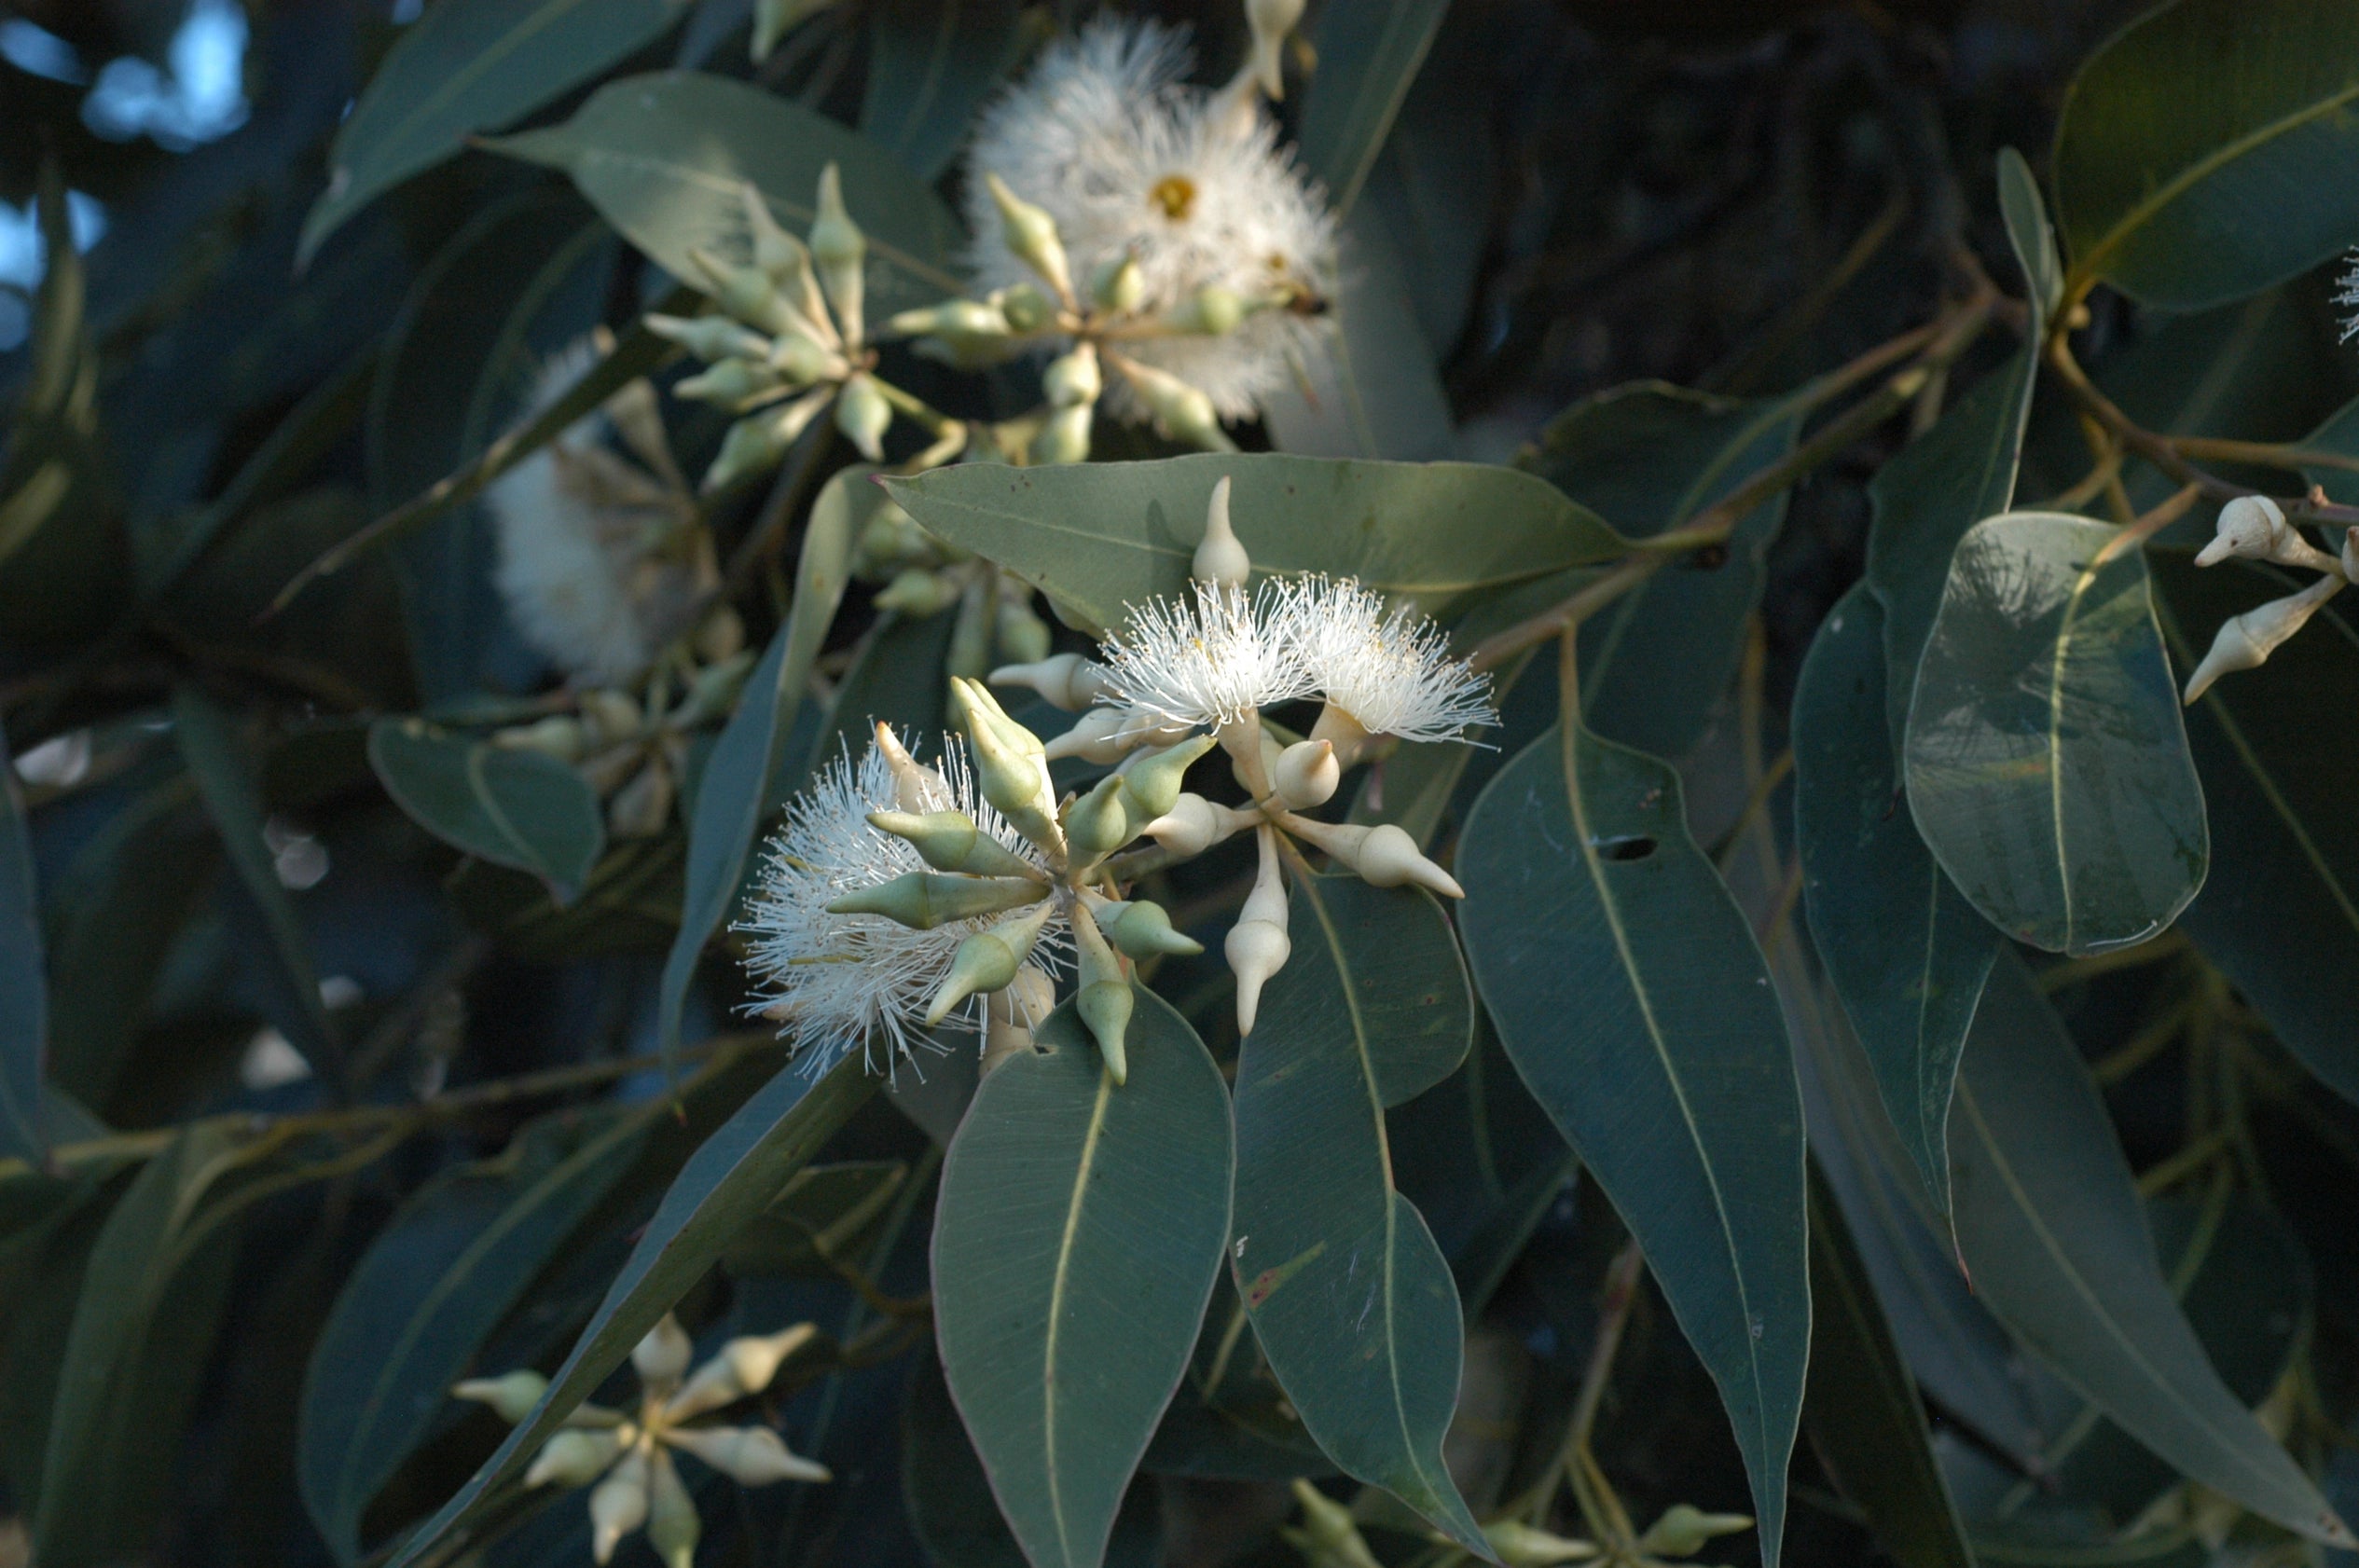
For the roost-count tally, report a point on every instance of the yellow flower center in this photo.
(1176, 194)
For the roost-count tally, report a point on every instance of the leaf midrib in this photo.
(1058, 1280)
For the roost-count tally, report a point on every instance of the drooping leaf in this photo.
(510, 805)
(1075, 1244)
(24, 987)
(1373, 389)
(461, 69)
(822, 1215)
(724, 1184)
(2200, 158)
(1862, 1411)
(2052, 1233)
(1100, 536)
(1907, 952)
(665, 157)
(2046, 764)
(1648, 457)
(437, 1280)
(1368, 57)
(2032, 237)
(1631, 995)
(734, 795)
(1352, 1300)
(930, 68)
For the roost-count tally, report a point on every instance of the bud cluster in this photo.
(633, 750)
(2255, 527)
(626, 1459)
(920, 575)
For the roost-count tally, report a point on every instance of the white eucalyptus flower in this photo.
(1105, 136)
(846, 981)
(1208, 660)
(1391, 670)
(2348, 294)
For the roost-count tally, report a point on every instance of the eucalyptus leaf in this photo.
(2200, 158)
(1099, 537)
(2046, 762)
(1076, 1242)
(2052, 1230)
(461, 69)
(1368, 56)
(931, 63)
(1631, 995)
(1349, 1296)
(24, 987)
(510, 805)
(1373, 389)
(2032, 237)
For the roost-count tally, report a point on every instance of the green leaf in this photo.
(437, 1280)
(1368, 56)
(1374, 391)
(734, 794)
(1098, 537)
(1351, 1299)
(820, 1217)
(507, 804)
(465, 68)
(2200, 157)
(1230, 1420)
(1632, 998)
(2032, 237)
(1650, 456)
(2052, 1233)
(227, 783)
(1076, 1240)
(1906, 952)
(2046, 762)
(2280, 914)
(724, 1184)
(1862, 1412)
(665, 157)
(25, 988)
(930, 66)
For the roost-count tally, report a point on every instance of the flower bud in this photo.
(915, 786)
(1220, 558)
(1017, 632)
(1009, 1017)
(1337, 726)
(672, 1525)
(729, 383)
(1073, 381)
(1011, 764)
(2245, 642)
(743, 1368)
(1212, 311)
(1329, 1534)
(840, 251)
(1271, 21)
(662, 1356)
(1306, 774)
(560, 736)
(919, 592)
(640, 808)
(970, 652)
(1068, 681)
(1117, 285)
(1032, 235)
(923, 900)
(798, 360)
(1521, 1545)
(1142, 929)
(749, 1455)
(952, 318)
(1194, 824)
(1103, 735)
(709, 338)
(1257, 946)
(987, 961)
(759, 441)
(1024, 308)
(1103, 997)
(1181, 411)
(618, 1506)
(1063, 437)
(511, 1398)
(891, 539)
(1097, 823)
(785, 259)
(951, 841)
(2248, 524)
(1154, 781)
(1684, 1530)
(771, 19)
(745, 293)
(1383, 856)
(863, 415)
(576, 1456)
(609, 716)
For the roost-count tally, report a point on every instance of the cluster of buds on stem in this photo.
(920, 575)
(2256, 528)
(625, 1457)
(787, 339)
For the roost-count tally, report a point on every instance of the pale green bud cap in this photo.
(951, 841)
(1017, 633)
(757, 442)
(891, 538)
(1117, 285)
(576, 1456)
(1271, 21)
(1066, 680)
(560, 736)
(1220, 558)
(1523, 1546)
(1153, 782)
(1010, 765)
(1328, 1530)
(1097, 823)
(987, 709)
(1257, 946)
(919, 592)
(749, 1455)
(1212, 311)
(511, 1398)
(923, 900)
(1073, 379)
(1102, 995)
(1194, 824)
(987, 961)
(1025, 309)
(729, 383)
(1306, 774)
(1180, 410)
(672, 1525)
(618, 1506)
(798, 360)
(955, 318)
(1102, 734)
(745, 293)
(1684, 1530)
(1143, 928)
(661, 1358)
(710, 338)
(743, 1368)
(863, 415)
(1032, 235)
(970, 653)
(1063, 437)
(841, 251)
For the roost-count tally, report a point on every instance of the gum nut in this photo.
(1255, 950)
(1388, 857)
(575, 1457)
(618, 1506)
(511, 1398)
(749, 1455)
(663, 1355)
(1306, 774)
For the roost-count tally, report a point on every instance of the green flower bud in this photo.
(758, 441)
(1017, 633)
(919, 592)
(749, 1455)
(714, 690)
(1024, 308)
(1329, 1534)
(987, 961)
(891, 538)
(1010, 765)
(729, 383)
(952, 318)
(863, 415)
(1068, 681)
(951, 841)
(1073, 381)
(1153, 782)
(922, 899)
(1143, 928)
(576, 1456)
(710, 338)
(799, 361)
(1521, 1545)
(618, 1506)
(841, 251)
(511, 1398)
(1098, 823)
(1103, 997)
(1032, 235)
(1212, 311)
(1181, 411)
(1063, 437)
(1684, 1530)
(1117, 285)
(672, 1525)
(745, 293)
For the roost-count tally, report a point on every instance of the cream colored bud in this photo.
(864, 414)
(988, 961)
(1012, 1010)
(710, 338)
(916, 786)
(1025, 308)
(609, 716)
(743, 1368)
(2249, 525)
(840, 252)
(1102, 995)
(576, 1456)
(1117, 285)
(2245, 642)
(782, 257)
(1032, 235)
(1181, 411)
(952, 841)
(952, 318)
(1068, 681)
(799, 359)
(662, 1356)
(1521, 1545)
(640, 808)
(1271, 21)
(1329, 1532)
(924, 899)
(511, 1398)
(672, 1525)
(560, 736)
(1684, 1530)
(729, 384)
(1257, 946)
(1383, 856)
(618, 1504)
(919, 592)
(1073, 379)
(1064, 436)
(1220, 557)
(1212, 311)
(1306, 774)
(1103, 735)
(1194, 824)
(749, 1455)
(745, 293)
(758, 441)
(1142, 930)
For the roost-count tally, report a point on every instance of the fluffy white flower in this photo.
(1105, 136)
(845, 981)
(1391, 670)
(600, 560)
(2348, 294)
(1208, 660)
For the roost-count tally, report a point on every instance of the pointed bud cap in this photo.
(1306, 774)
(745, 293)
(1025, 308)
(1523, 1546)
(1181, 411)
(728, 384)
(743, 1368)
(1064, 436)
(841, 251)
(799, 361)
(618, 1506)
(1017, 633)
(1220, 558)
(1388, 857)
(709, 338)
(918, 593)
(1255, 950)
(749, 1455)
(1142, 929)
(952, 841)
(576, 1456)
(923, 900)
(987, 961)
(1102, 995)
(1212, 311)
(1032, 235)
(672, 1525)
(863, 415)
(1066, 680)
(2245, 642)
(1154, 779)
(1685, 1530)
(2249, 525)
(1097, 823)
(1104, 735)
(511, 1398)
(915, 786)
(662, 1356)
(1118, 286)
(1073, 381)
(1194, 824)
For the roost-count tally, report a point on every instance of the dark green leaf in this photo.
(1907, 952)
(2032, 235)
(465, 68)
(665, 157)
(510, 805)
(24, 987)
(930, 66)
(724, 1184)
(734, 794)
(1350, 1298)
(820, 1218)
(1075, 1244)
(2200, 158)
(1862, 1412)
(437, 1280)
(2055, 1239)
(1102, 536)
(2046, 762)
(1374, 390)
(1629, 993)
(1229, 1419)
(1368, 56)
(1649, 457)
